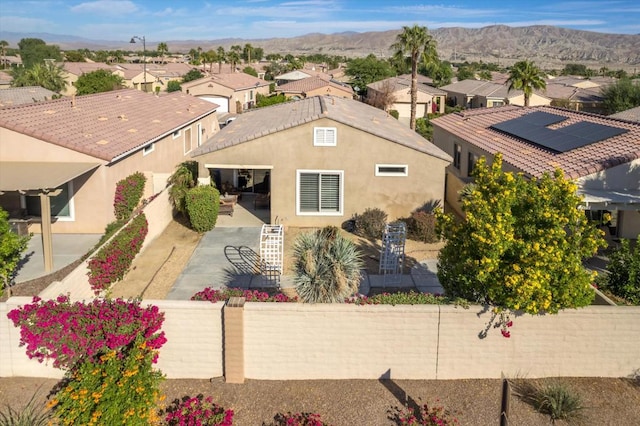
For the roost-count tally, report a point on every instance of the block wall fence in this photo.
(295, 341)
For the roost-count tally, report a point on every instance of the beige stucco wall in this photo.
(210, 88)
(330, 90)
(356, 154)
(193, 349)
(534, 100)
(93, 192)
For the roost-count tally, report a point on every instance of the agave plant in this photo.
(32, 414)
(327, 266)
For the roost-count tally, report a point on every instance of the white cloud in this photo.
(23, 25)
(106, 7)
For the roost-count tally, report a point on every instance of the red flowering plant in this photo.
(70, 333)
(197, 410)
(214, 295)
(426, 416)
(299, 419)
(112, 262)
(128, 195)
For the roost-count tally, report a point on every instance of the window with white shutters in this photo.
(325, 136)
(319, 192)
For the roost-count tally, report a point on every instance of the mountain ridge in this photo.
(548, 46)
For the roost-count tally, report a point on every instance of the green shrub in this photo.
(370, 224)
(32, 414)
(173, 86)
(623, 278)
(558, 401)
(11, 248)
(203, 204)
(327, 266)
(394, 113)
(128, 195)
(182, 180)
(408, 298)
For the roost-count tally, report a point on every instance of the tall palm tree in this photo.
(526, 76)
(419, 46)
(248, 49)
(47, 75)
(163, 50)
(3, 49)
(221, 56)
(234, 58)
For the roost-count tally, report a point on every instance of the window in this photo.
(251, 95)
(187, 140)
(472, 163)
(392, 170)
(199, 136)
(498, 103)
(319, 192)
(457, 153)
(324, 136)
(176, 134)
(148, 149)
(61, 204)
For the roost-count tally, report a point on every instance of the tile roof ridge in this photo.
(487, 110)
(323, 105)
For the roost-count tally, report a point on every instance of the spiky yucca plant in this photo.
(327, 266)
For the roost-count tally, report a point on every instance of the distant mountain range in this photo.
(547, 46)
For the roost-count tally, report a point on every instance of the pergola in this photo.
(41, 179)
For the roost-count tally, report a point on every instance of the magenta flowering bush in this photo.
(128, 195)
(299, 419)
(213, 295)
(112, 262)
(426, 416)
(197, 411)
(69, 333)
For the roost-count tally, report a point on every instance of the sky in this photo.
(162, 20)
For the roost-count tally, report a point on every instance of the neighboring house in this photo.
(11, 61)
(430, 99)
(601, 154)
(25, 95)
(312, 86)
(73, 70)
(575, 98)
(233, 92)
(327, 159)
(295, 75)
(632, 114)
(480, 94)
(71, 152)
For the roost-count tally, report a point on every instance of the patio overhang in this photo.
(34, 176)
(41, 179)
(610, 199)
(238, 166)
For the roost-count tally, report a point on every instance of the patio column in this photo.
(234, 340)
(47, 245)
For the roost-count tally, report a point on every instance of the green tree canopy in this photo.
(173, 86)
(193, 74)
(98, 81)
(521, 243)
(74, 56)
(35, 51)
(250, 71)
(526, 76)
(163, 51)
(47, 75)
(11, 248)
(367, 70)
(621, 96)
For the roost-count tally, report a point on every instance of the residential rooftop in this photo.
(474, 126)
(24, 95)
(312, 83)
(404, 82)
(260, 122)
(233, 80)
(106, 125)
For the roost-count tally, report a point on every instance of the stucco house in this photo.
(481, 93)
(327, 158)
(601, 154)
(25, 95)
(313, 86)
(430, 99)
(60, 160)
(233, 92)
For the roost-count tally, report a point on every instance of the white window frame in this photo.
(340, 211)
(148, 149)
(177, 133)
(322, 140)
(383, 173)
(184, 142)
(72, 210)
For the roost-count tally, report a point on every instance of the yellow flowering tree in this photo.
(521, 243)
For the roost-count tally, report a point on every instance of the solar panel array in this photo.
(533, 128)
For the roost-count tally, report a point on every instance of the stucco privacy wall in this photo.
(193, 348)
(288, 342)
(158, 212)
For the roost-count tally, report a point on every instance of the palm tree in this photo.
(221, 56)
(526, 76)
(163, 50)
(3, 49)
(209, 56)
(248, 48)
(419, 46)
(234, 58)
(47, 75)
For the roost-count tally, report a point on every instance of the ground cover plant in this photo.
(220, 295)
(198, 410)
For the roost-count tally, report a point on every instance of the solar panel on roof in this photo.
(532, 128)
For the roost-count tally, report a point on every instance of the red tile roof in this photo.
(106, 125)
(235, 81)
(312, 83)
(474, 127)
